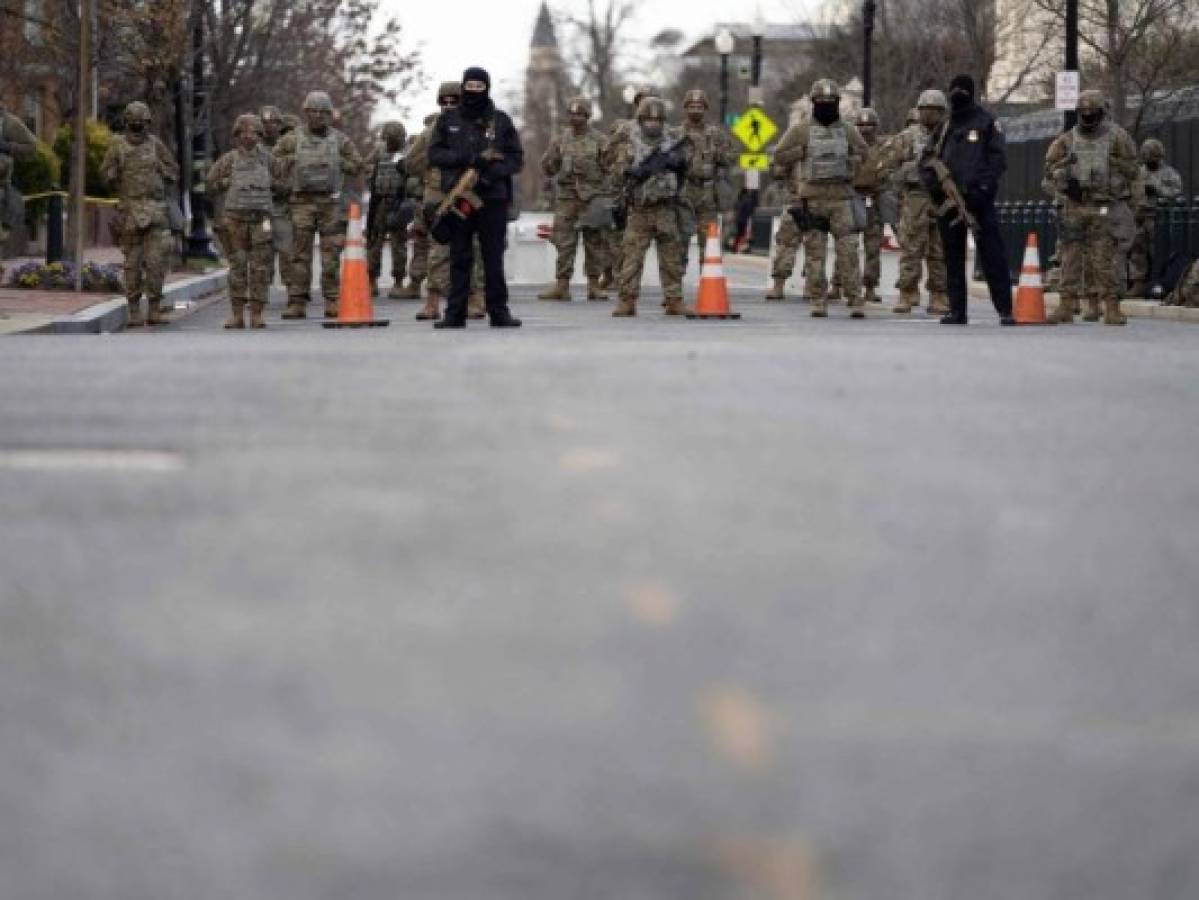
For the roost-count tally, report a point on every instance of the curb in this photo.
(1142, 309)
(112, 314)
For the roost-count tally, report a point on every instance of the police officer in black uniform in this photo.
(479, 136)
(974, 150)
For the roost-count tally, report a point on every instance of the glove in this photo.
(1074, 189)
(639, 172)
(1151, 191)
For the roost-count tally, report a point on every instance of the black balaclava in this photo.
(476, 105)
(961, 91)
(826, 112)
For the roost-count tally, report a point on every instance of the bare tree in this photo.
(599, 52)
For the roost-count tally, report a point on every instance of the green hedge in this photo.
(98, 140)
(35, 175)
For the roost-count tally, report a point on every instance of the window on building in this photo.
(32, 113)
(34, 17)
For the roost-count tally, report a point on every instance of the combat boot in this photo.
(1064, 314)
(594, 291)
(256, 307)
(1092, 313)
(374, 288)
(904, 304)
(778, 290)
(857, 308)
(819, 308)
(606, 280)
(834, 294)
(135, 315)
(626, 307)
(869, 295)
(430, 310)
(410, 291)
(476, 307)
(677, 308)
(237, 317)
(1112, 314)
(331, 309)
(1137, 289)
(560, 291)
(397, 290)
(154, 314)
(938, 304)
(295, 309)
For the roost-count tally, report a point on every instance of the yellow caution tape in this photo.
(99, 201)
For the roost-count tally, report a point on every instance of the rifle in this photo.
(954, 201)
(460, 201)
(659, 160)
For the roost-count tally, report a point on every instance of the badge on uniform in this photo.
(1103, 210)
(972, 136)
(266, 226)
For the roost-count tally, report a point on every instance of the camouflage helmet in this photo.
(290, 123)
(317, 100)
(449, 89)
(932, 99)
(867, 117)
(641, 92)
(1092, 101)
(824, 89)
(270, 114)
(137, 111)
(651, 107)
(580, 105)
(1153, 151)
(696, 96)
(394, 132)
(247, 122)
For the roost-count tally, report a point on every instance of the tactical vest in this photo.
(703, 162)
(1092, 166)
(250, 185)
(659, 188)
(910, 170)
(141, 174)
(318, 163)
(827, 158)
(580, 161)
(388, 180)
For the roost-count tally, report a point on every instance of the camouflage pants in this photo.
(1140, 257)
(786, 247)
(399, 253)
(281, 244)
(845, 242)
(251, 258)
(614, 257)
(704, 215)
(439, 269)
(658, 225)
(566, 236)
(418, 267)
(1091, 263)
(872, 244)
(146, 253)
(920, 244)
(308, 219)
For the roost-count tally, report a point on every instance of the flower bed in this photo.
(60, 276)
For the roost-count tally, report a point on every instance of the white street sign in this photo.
(1068, 86)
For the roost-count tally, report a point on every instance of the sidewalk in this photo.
(66, 312)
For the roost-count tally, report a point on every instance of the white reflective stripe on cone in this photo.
(712, 270)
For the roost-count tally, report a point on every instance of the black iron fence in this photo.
(1175, 236)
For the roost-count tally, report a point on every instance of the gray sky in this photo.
(496, 33)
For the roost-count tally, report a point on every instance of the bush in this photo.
(35, 175)
(60, 276)
(98, 140)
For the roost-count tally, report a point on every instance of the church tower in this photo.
(547, 91)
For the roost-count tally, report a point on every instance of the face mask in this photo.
(651, 130)
(695, 116)
(1154, 165)
(825, 113)
(137, 127)
(1089, 120)
(959, 99)
(473, 101)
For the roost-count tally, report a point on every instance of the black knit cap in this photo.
(477, 73)
(965, 82)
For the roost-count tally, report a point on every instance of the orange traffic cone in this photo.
(356, 305)
(1030, 295)
(713, 299)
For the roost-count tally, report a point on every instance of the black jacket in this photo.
(458, 142)
(975, 151)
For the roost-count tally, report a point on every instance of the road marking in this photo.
(588, 459)
(65, 459)
(653, 604)
(772, 869)
(741, 728)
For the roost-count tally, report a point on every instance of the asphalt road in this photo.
(780, 609)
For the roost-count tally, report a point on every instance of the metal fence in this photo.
(1176, 236)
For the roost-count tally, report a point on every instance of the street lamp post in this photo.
(868, 10)
(199, 243)
(753, 176)
(1071, 52)
(724, 46)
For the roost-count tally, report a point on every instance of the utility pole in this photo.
(79, 163)
(199, 243)
(868, 10)
(1071, 53)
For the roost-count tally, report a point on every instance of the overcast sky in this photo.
(495, 33)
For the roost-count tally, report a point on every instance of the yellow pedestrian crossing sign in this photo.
(754, 161)
(754, 129)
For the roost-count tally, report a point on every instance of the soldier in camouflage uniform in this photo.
(315, 161)
(16, 142)
(826, 152)
(789, 238)
(621, 129)
(414, 188)
(652, 166)
(274, 126)
(243, 176)
(140, 166)
(1091, 169)
(449, 95)
(711, 159)
(1162, 183)
(387, 181)
(919, 237)
(574, 159)
(869, 183)
(1186, 291)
